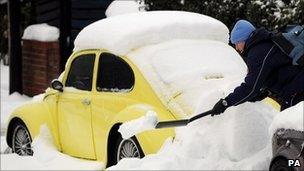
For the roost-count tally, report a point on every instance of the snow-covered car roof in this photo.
(124, 33)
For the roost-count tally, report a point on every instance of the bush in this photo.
(271, 14)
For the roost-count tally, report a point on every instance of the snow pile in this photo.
(46, 157)
(139, 125)
(189, 76)
(124, 33)
(235, 140)
(291, 118)
(119, 7)
(41, 32)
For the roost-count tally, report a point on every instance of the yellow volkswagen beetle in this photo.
(98, 92)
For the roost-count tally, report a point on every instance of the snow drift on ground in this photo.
(235, 140)
(119, 7)
(46, 157)
(41, 32)
(124, 33)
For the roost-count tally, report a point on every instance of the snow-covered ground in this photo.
(236, 140)
(46, 157)
(239, 139)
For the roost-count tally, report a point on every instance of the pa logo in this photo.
(294, 163)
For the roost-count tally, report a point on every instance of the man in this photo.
(270, 71)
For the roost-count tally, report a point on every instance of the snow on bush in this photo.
(46, 157)
(124, 33)
(119, 7)
(291, 118)
(41, 32)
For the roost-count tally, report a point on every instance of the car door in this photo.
(115, 81)
(74, 108)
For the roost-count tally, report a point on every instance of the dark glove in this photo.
(219, 107)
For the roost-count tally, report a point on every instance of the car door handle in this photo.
(86, 102)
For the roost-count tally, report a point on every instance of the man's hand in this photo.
(219, 107)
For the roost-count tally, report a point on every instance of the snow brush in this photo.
(150, 122)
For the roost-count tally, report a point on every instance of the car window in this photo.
(81, 72)
(114, 74)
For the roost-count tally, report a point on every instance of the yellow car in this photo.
(86, 108)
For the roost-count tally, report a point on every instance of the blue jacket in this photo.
(270, 71)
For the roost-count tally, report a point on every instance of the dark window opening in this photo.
(114, 74)
(81, 72)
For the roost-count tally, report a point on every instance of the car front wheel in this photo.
(128, 148)
(21, 140)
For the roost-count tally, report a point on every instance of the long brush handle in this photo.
(200, 115)
(183, 122)
(169, 124)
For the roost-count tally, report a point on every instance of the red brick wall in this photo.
(40, 65)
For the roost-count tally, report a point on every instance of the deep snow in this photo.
(239, 139)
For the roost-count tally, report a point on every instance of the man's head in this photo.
(240, 33)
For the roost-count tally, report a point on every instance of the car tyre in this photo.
(127, 148)
(21, 140)
(281, 165)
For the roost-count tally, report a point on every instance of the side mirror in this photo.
(57, 85)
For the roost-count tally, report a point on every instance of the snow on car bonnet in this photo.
(121, 34)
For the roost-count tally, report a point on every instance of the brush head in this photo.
(136, 126)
